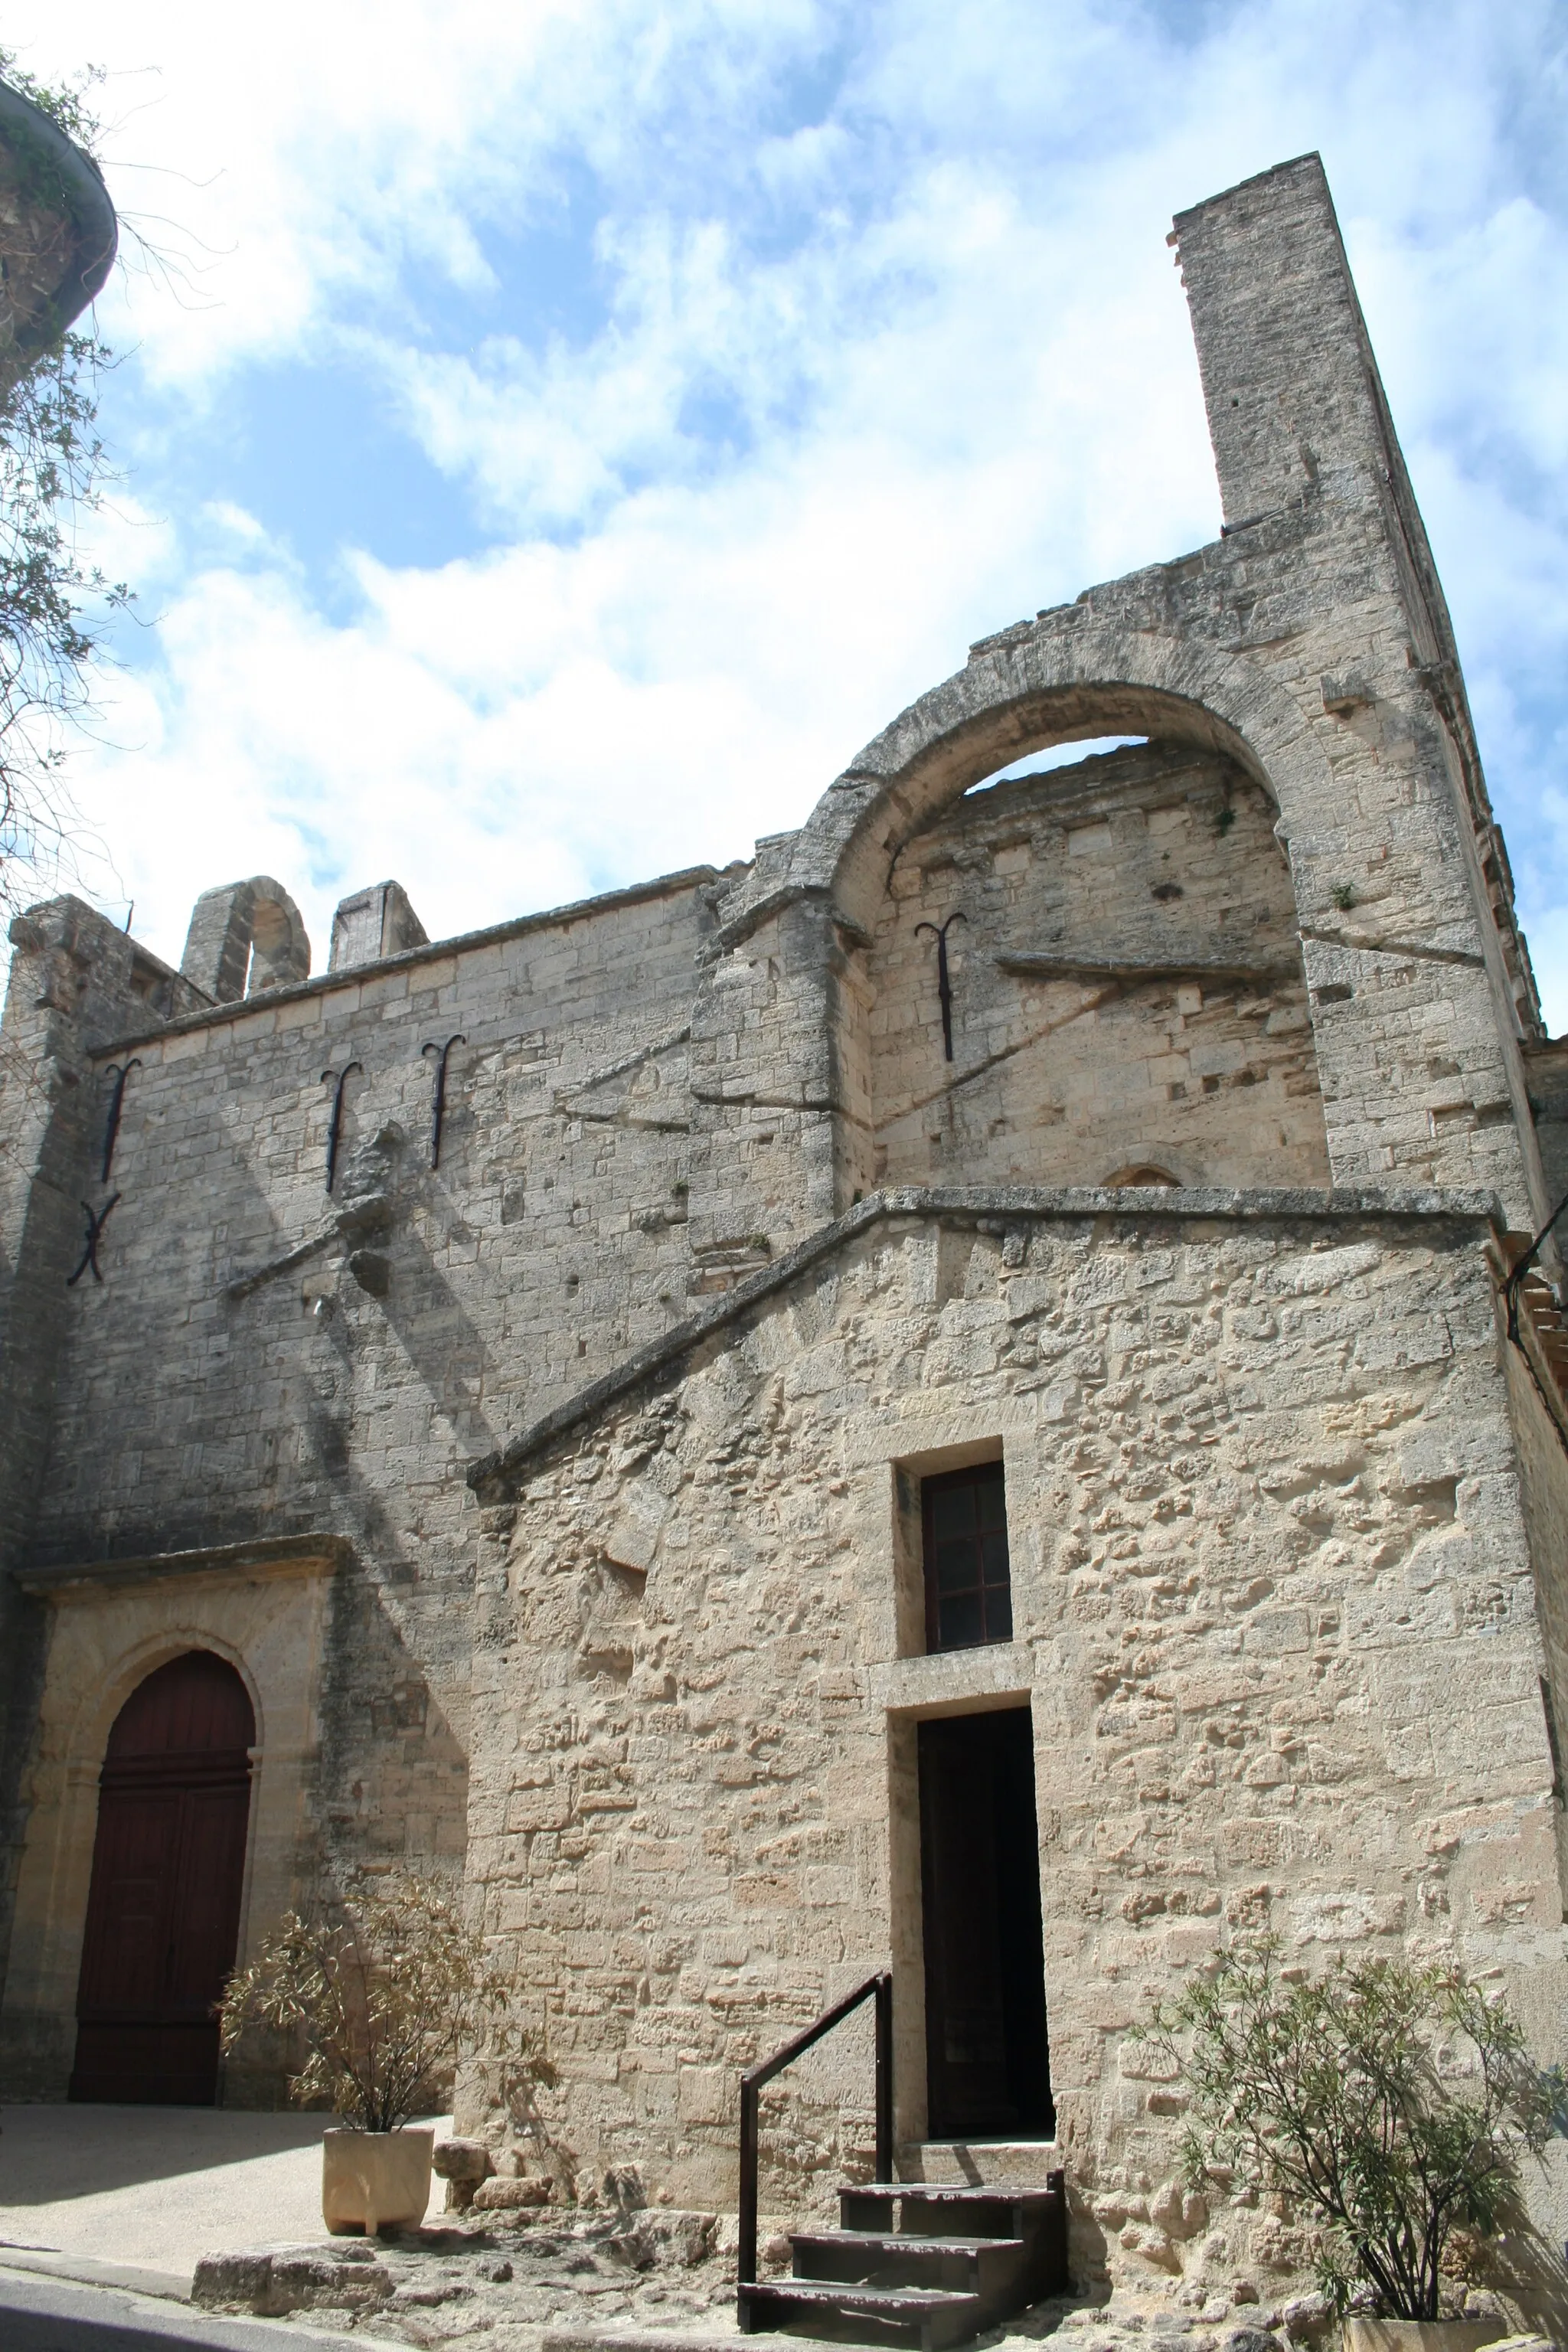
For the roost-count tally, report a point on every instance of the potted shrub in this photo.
(388, 1994)
(1390, 2105)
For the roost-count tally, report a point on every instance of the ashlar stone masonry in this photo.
(1147, 1149)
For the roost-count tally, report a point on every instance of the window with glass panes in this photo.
(969, 1598)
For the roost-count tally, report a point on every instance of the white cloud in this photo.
(851, 381)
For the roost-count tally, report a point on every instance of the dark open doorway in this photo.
(168, 1873)
(987, 2070)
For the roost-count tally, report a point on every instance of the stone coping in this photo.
(85, 2270)
(494, 1476)
(104, 2311)
(662, 886)
(279, 1554)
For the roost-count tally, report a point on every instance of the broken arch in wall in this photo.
(1059, 681)
(1079, 972)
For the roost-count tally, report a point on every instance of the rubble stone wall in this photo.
(1543, 1483)
(1273, 1615)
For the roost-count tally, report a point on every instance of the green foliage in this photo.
(388, 1995)
(68, 107)
(1391, 2104)
(1343, 895)
(53, 609)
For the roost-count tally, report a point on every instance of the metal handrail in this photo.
(1515, 1281)
(881, 1988)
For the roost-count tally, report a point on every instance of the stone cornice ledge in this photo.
(279, 1555)
(494, 1476)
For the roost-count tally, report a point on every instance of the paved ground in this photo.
(40, 2315)
(152, 2188)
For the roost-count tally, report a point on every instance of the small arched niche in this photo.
(1123, 978)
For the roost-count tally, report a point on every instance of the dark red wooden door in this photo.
(168, 1871)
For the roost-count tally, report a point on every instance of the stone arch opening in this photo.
(1084, 966)
(167, 1884)
(997, 735)
(246, 938)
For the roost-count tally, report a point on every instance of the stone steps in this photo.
(918, 2264)
(1548, 1332)
(980, 2163)
(926, 2318)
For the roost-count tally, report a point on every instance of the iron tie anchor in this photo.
(335, 1129)
(95, 1226)
(118, 1072)
(939, 932)
(438, 1091)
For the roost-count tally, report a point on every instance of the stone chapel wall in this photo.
(1273, 1613)
(1275, 1618)
(262, 1362)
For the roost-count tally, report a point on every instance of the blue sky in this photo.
(554, 437)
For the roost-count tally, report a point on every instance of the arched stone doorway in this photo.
(168, 1873)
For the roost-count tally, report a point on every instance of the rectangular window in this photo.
(969, 1596)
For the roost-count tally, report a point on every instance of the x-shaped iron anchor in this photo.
(96, 1222)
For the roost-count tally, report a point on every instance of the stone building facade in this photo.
(1125, 1158)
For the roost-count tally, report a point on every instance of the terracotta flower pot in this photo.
(1423, 2335)
(375, 2181)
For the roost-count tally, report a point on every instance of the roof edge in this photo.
(494, 1476)
(353, 975)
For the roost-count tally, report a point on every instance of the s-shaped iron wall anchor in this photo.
(95, 1226)
(335, 1129)
(438, 1092)
(939, 932)
(118, 1072)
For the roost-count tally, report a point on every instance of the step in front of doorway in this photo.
(980, 2163)
(905, 2318)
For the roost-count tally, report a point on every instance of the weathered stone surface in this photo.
(460, 2159)
(666, 2235)
(292, 2278)
(560, 1503)
(503, 2196)
(464, 2164)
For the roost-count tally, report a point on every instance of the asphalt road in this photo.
(45, 2315)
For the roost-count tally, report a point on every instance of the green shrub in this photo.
(389, 1994)
(1391, 2104)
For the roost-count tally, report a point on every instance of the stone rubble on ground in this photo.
(530, 2275)
(525, 2277)
(504, 2272)
(465, 2165)
(539, 2280)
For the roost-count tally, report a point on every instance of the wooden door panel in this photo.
(207, 1907)
(133, 1865)
(168, 1871)
(129, 2064)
